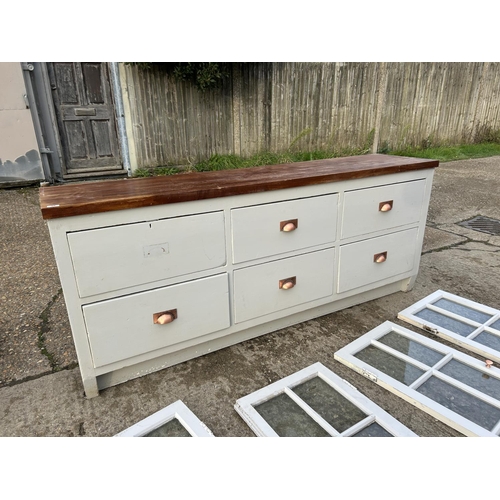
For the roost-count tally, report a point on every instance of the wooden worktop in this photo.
(67, 200)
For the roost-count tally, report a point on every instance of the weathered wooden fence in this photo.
(308, 106)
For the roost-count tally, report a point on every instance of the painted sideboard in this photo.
(160, 270)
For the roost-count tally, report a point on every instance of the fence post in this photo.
(479, 100)
(382, 87)
(236, 105)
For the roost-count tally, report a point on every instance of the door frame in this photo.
(44, 120)
(47, 130)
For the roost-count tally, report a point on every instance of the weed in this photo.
(205, 75)
(305, 132)
(426, 150)
(486, 134)
(451, 153)
(384, 148)
(44, 326)
(155, 171)
(219, 162)
(369, 140)
(428, 143)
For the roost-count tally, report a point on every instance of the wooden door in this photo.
(85, 117)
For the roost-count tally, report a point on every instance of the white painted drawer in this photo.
(123, 327)
(116, 257)
(257, 291)
(357, 265)
(362, 214)
(256, 231)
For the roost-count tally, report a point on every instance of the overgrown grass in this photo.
(230, 162)
(225, 162)
(153, 172)
(451, 153)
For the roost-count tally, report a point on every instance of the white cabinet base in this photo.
(223, 257)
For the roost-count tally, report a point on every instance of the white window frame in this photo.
(409, 315)
(245, 406)
(409, 393)
(178, 410)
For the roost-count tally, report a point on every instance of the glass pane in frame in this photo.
(373, 430)
(411, 348)
(396, 368)
(487, 384)
(450, 324)
(464, 311)
(471, 408)
(288, 419)
(322, 391)
(489, 340)
(338, 411)
(171, 429)
(175, 420)
(461, 402)
(481, 337)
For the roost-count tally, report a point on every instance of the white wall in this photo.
(19, 155)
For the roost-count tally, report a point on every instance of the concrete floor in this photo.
(40, 388)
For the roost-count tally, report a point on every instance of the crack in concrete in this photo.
(467, 237)
(44, 328)
(459, 243)
(54, 364)
(479, 250)
(446, 247)
(29, 378)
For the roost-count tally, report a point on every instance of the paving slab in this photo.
(40, 397)
(35, 336)
(437, 239)
(465, 189)
(469, 234)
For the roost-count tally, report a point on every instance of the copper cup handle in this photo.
(287, 283)
(164, 317)
(385, 206)
(289, 225)
(378, 258)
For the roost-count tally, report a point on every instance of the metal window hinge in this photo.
(46, 151)
(369, 375)
(27, 67)
(429, 329)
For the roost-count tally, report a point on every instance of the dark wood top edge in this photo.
(68, 200)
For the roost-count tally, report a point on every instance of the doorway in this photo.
(85, 122)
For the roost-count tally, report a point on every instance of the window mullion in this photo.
(451, 315)
(313, 414)
(492, 320)
(400, 355)
(354, 429)
(467, 388)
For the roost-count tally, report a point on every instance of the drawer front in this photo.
(113, 258)
(257, 289)
(357, 261)
(363, 212)
(124, 327)
(259, 231)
